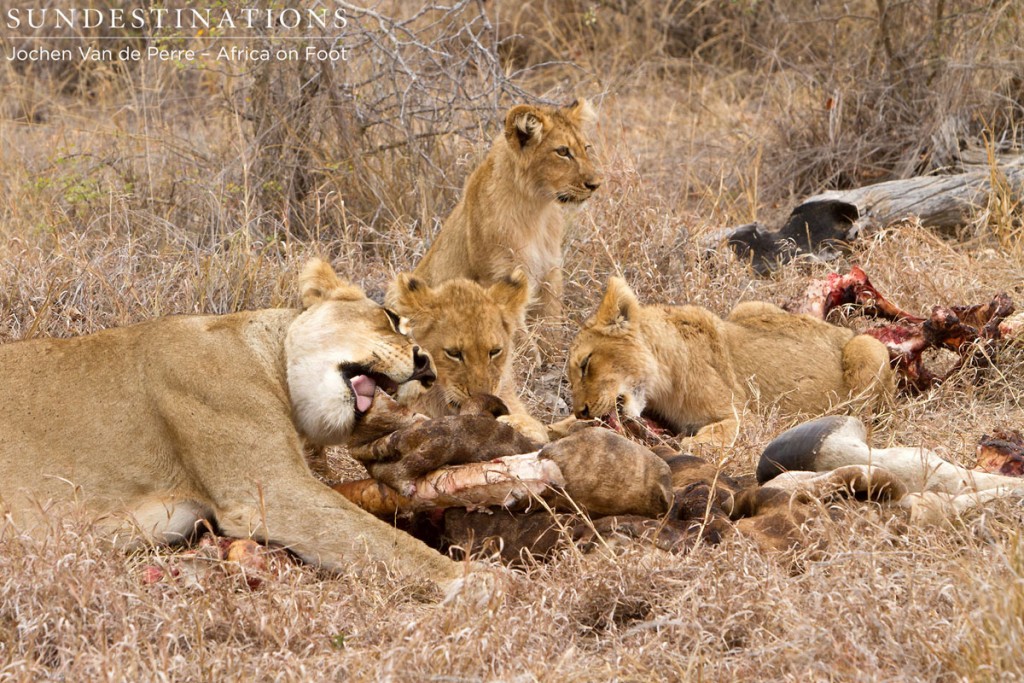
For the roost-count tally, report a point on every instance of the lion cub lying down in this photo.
(161, 424)
(695, 372)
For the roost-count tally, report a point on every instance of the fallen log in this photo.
(942, 203)
(822, 224)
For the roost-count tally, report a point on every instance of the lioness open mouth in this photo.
(363, 383)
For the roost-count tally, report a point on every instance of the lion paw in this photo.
(569, 425)
(527, 426)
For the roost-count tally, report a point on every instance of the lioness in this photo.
(469, 331)
(159, 425)
(510, 212)
(694, 371)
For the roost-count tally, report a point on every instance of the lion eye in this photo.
(494, 353)
(584, 364)
(563, 152)
(394, 319)
(454, 354)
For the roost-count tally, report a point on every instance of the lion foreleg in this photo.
(520, 420)
(548, 304)
(323, 528)
(258, 485)
(720, 434)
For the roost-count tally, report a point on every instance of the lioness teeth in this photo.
(363, 387)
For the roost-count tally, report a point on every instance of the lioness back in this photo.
(510, 212)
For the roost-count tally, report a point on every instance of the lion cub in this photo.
(469, 331)
(696, 372)
(510, 213)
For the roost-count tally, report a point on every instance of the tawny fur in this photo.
(510, 214)
(699, 372)
(469, 331)
(156, 425)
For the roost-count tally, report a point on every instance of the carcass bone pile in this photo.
(475, 461)
(1002, 452)
(917, 479)
(972, 332)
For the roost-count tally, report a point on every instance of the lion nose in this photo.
(583, 413)
(592, 184)
(422, 368)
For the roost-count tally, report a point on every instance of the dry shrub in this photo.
(902, 89)
(850, 92)
(360, 149)
(28, 85)
(376, 136)
(617, 42)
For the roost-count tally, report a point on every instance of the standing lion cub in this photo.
(163, 424)
(510, 213)
(696, 372)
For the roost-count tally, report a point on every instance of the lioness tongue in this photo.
(363, 387)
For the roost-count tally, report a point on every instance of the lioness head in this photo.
(551, 151)
(340, 350)
(466, 328)
(609, 362)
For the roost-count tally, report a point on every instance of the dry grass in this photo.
(132, 193)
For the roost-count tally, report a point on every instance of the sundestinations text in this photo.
(157, 18)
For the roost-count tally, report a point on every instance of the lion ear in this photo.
(408, 295)
(618, 309)
(582, 112)
(318, 282)
(524, 126)
(512, 293)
